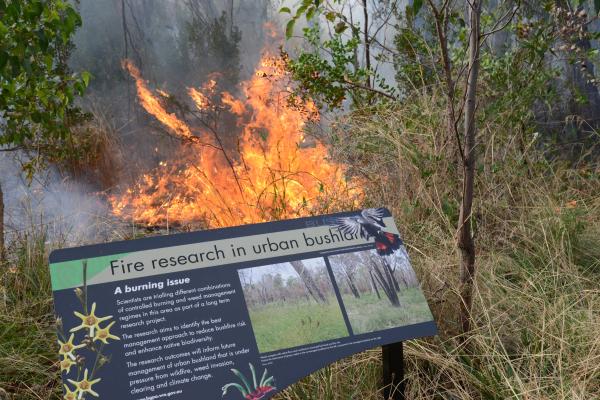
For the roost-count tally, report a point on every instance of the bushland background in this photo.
(379, 292)
(475, 122)
(292, 304)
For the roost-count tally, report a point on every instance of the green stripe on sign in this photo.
(69, 274)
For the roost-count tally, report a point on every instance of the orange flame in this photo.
(153, 106)
(272, 175)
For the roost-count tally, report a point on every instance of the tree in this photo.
(350, 279)
(461, 105)
(341, 65)
(381, 271)
(37, 92)
(466, 242)
(374, 285)
(309, 282)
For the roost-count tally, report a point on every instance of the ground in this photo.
(281, 325)
(369, 314)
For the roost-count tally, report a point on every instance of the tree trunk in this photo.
(351, 284)
(382, 276)
(2, 247)
(374, 284)
(466, 241)
(367, 43)
(393, 277)
(309, 282)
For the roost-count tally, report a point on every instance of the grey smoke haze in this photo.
(65, 209)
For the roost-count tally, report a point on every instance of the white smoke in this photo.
(68, 212)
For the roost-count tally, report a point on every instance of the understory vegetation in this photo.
(280, 325)
(534, 301)
(536, 310)
(537, 301)
(369, 313)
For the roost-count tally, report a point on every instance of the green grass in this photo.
(281, 325)
(368, 313)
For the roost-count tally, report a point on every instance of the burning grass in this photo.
(273, 173)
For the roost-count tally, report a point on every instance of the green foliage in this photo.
(329, 71)
(37, 94)
(327, 80)
(306, 8)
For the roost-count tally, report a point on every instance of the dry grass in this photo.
(537, 307)
(537, 303)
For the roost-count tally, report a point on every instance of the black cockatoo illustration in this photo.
(370, 224)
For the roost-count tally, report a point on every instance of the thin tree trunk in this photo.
(391, 271)
(466, 241)
(309, 282)
(374, 284)
(367, 42)
(441, 26)
(386, 284)
(351, 285)
(2, 247)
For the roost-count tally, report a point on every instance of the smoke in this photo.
(67, 211)
(167, 40)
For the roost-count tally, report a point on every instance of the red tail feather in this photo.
(391, 237)
(380, 246)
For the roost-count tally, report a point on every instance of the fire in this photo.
(272, 174)
(152, 104)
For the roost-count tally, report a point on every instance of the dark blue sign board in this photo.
(233, 313)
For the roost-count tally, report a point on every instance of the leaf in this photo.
(86, 77)
(285, 10)
(330, 16)
(417, 5)
(340, 27)
(310, 13)
(253, 376)
(289, 29)
(262, 379)
(235, 385)
(242, 378)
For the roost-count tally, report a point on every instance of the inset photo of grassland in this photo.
(379, 292)
(292, 304)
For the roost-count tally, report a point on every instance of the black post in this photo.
(393, 371)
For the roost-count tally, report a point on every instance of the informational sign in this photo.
(234, 313)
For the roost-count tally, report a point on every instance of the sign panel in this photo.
(234, 313)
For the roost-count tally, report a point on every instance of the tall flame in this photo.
(272, 174)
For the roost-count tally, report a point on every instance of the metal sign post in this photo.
(393, 371)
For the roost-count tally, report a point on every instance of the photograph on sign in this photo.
(292, 304)
(379, 292)
(233, 313)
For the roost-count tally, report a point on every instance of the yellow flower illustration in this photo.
(66, 364)
(104, 334)
(85, 385)
(69, 395)
(67, 348)
(90, 321)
